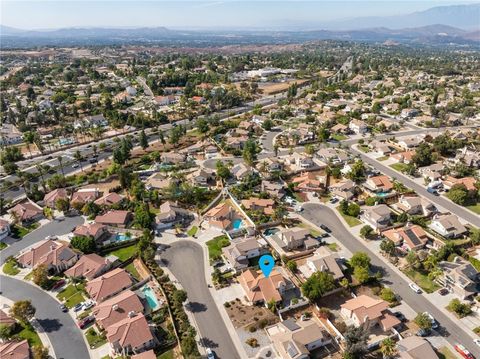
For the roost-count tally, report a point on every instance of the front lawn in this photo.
(26, 331)
(19, 231)
(71, 295)
(215, 247)
(351, 221)
(124, 253)
(338, 137)
(192, 231)
(10, 267)
(363, 148)
(94, 339)
(475, 208)
(3, 245)
(383, 158)
(400, 167)
(133, 271)
(422, 280)
(166, 355)
(333, 247)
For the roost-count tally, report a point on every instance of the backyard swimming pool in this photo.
(238, 223)
(120, 237)
(150, 297)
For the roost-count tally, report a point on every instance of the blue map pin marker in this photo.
(266, 264)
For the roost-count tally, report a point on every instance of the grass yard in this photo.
(11, 268)
(400, 167)
(338, 137)
(71, 295)
(215, 247)
(475, 208)
(3, 245)
(133, 271)
(124, 253)
(192, 231)
(383, 158)
(422, 280)
(94, 339)
(333, 247)
(166, 355)
(351, 221)
(19, 231)
(27, 332)
(363, 148)
(445, 353)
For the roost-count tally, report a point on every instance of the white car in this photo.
(88, 305)
(210, 354)
(477, 342)
(415, 288)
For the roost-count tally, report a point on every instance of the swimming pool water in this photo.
(237, 224)
(150, 297)
(120, 237)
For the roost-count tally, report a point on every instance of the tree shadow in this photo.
(50, 325)
(208, 343)
(196, 307)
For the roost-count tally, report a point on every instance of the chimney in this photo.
(131, 314)
(115, 307)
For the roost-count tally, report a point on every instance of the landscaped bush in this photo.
(459, 308)
(252, 342)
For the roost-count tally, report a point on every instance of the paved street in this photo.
(52, 228)
(185, 260)
(66, 338)
(460, 211)
(454, 333)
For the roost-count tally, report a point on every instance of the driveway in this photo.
(66, 338)
(54, 228)
(454, 333)
(185, 260)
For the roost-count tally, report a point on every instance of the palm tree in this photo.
(79, 158)
(41, 172)
(388, 348)
(60, 161)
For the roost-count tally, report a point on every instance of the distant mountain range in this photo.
(458, 24)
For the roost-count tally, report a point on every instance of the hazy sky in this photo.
(44, 14)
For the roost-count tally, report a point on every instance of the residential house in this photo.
(460, 277)
(56, 255)
(379, 184)
(240, 171)
(310, 182)
(332, 155)
(115, 218)
(409, 142)
(345, 189)
(403, 157)
(358, 126)
(150, 354)
(259, 204)
(108, 284)
(294, 238)
(173, 158)
(130, 335)
(323, 260)
(380, 147)
(261, 289)
(414, 205)
(269, 165)
(448, 226)
(51, 198)
(378, 217)
(6, 319)
(14, 349)
(433, 172)
(170, 214)
(296, 339)
(117, 308)
(409, 237)
(274, 189)
(220, 216)
(95, 230)
(468, 182)
(203, 178)
(89, 266)
(4, 229)
(84, 195)
(414, 347)
(109, 200)
(9, 134)
(369, 312)
(26, 212)
(165, 100)
(241, 250)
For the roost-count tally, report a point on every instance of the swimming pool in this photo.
(120, 237)
(382, 194)
(150, 297)
(237, 224)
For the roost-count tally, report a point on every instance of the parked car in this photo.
(423, 333)
(63, 308)
(415, 288)
(88, 304)
(86, 321)
(210, 354)
(433, 191)
(477, 342)
(75, 165)
(463, 351)
(325, 228)
(432, 319)
(78, 307)
(59, 284)
(443, 291)
(333, 200)
(400, 316)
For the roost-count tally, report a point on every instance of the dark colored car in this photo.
(86, 321)
(400, 316)
(423, 333)
(325, 228)
(59, 284)
(443, 291)
(63, 308)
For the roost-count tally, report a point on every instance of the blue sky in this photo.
(44, 14)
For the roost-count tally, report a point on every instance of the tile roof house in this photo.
(51, 198)
(95, 230)
(220, 216)
(27, 212)
(85, 195)
(448, 226)
(259, 204)
(202, 177)
(109, 199)
(460, 277)
(378, 217)
(368, 311)
(414, 347)
(240, 251)
(15, 350)
(173, 158)
(130, 335)
(171, 214)
(115, 218)
(416, 205)
(345, 189)
(403, 157)
(56, 255)
(259, 289)
(323, 260)
(296, 339)
(117, 308)
(295, 237)
(89, 266)
(410, 237)
(310, 182)
(150, 354)
(6, 320)
(274, 189)
(379, 184)
(108, 284)
(240, 171)
(468, 182)
(358, 126)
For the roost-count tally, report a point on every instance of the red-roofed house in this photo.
(411, 237)
(57, 256)
(51, 198)
(145, 355)
(108, 284)
(220, 216)
(115, 218)
(95, 230)
(117, 308)
(109, 199)
(27, 212)
(262, 290)
(15, 350)
(85, 195)
(259, 204)
(89, 266)
(130, 335)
